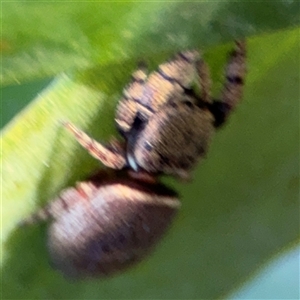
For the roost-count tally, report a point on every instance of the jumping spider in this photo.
(113, 219)
(167, 127)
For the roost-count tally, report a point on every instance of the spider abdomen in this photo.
(110, 228)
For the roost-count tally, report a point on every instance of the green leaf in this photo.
(42, 39)
(241, 207)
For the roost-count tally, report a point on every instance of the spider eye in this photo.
(188, 103)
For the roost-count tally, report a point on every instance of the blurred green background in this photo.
(63, 61)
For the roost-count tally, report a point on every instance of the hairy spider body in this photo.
(113, 219)
(168, 127)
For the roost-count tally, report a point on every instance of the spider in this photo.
(166, 126)
(113, 219)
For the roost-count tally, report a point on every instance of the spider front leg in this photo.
(235, 72)
(112, 155)
(204, 80)
(129, 106)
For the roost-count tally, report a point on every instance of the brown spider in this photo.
(167, 127)
(114, 218)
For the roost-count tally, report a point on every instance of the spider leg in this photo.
(67, 198)
(133, 89)
(234, 81)
(204, 80)
(129, 106)
(235, 73)
(42, 215)
(112, 155)
(171, 80)
(180, 69)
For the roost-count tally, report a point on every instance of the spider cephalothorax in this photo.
(114, 218)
